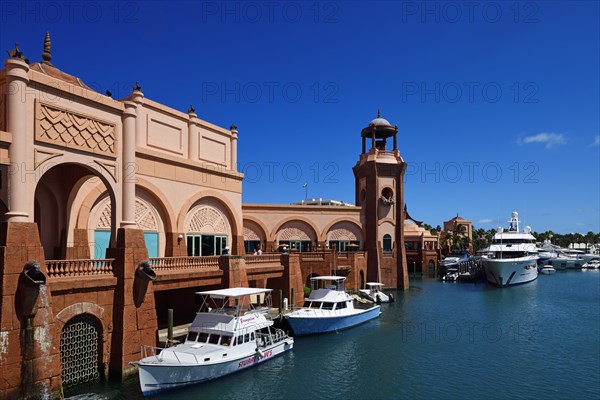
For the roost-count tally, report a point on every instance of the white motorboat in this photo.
(328, 309)
(373, 292)
(229, 337)
(547, 269)
(451, 275)
(594, 264)
(454, 258)
(512, 257)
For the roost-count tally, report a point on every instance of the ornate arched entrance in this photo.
(54, 196)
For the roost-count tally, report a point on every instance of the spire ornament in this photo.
(233, 127)
(191, 110)
(137, 87)
(378, 112)
(46, 55)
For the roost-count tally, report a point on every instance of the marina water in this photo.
(540, 340)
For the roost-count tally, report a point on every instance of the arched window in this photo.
(387, 243)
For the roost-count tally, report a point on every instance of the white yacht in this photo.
(328, 309)
(454, 258)
(561, 258)
(228, 334)
(373, 292)
(512, 257)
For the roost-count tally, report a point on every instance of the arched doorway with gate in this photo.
(81, 350)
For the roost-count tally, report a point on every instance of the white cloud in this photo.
(596, 141)
(580, 224)
(485, 221)
(549, 139)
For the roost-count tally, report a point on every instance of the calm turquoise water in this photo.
(439, 340)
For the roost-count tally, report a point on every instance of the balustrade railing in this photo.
(252, 260)
(171, 263)
(312, 256)
(67, 268)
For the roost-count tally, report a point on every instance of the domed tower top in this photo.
(379, 130)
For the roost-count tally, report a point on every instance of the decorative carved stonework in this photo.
(111, 168)
(40, 157)
(104, 221)
(145, 215)
(294, 231)
(74, 130)
(250, 234)
(206, 219)
(343, 234)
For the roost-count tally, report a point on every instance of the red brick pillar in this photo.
(134, 312)
(79, 249)
(175, 247)
(29, 344)
(234, 271)
(292, 278)
(237, 245)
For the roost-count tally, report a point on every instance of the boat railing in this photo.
(267, 339)
(155, 352)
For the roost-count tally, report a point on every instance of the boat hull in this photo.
(507, 272)
(562, 263)
(379, 297)
(156, 376)
(319, 322)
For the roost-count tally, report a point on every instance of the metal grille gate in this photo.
(79, 350)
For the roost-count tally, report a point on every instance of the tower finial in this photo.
(46, 55)
(378, 112)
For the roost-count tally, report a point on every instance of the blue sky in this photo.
(497, 103)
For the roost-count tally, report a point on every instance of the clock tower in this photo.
(379, 175)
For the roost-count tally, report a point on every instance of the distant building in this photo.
(454, 226)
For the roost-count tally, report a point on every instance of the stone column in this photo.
(234, 138)
(16, 123)
(129, 175)
(140, 136)
(193, 134)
